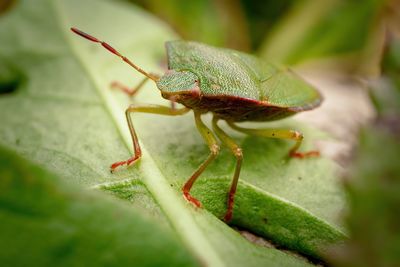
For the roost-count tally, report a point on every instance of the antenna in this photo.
(114, 51)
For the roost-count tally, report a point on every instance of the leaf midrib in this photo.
(175, 210)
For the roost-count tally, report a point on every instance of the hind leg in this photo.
(281, 134)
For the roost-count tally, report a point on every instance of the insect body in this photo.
(234, 87)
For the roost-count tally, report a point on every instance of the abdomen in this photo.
(240, 109)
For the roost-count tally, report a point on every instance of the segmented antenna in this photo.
(114, 51)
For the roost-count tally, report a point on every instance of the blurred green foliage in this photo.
(374, 197)
(215, 22)
(391, 65)
(385, 92)
(315, 29)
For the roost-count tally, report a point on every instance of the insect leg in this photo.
(281, 134)
(211, 141)
(237, 152)
(127, 90)
(154, 109)
(134, 90)
(173, 104)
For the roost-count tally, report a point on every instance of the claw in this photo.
(229, 211)
(117, 164)
(121, 163)
(228, 215)
(304, 155)
(192, 200)
(114, 84)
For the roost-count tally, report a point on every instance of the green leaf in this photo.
(59, 112)
(56, 224)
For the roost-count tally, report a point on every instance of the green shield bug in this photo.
(234, 87)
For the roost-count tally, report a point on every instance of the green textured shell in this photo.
(226, 72)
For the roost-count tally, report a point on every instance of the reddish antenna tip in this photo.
(112, 50)
(85, 35)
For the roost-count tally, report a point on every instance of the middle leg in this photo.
(237, 152)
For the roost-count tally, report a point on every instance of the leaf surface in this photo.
(57, 224)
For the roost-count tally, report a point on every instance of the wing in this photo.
(280, 86)
(286, 89)
(232, 73)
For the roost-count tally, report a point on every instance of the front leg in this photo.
(127, 90)
(281, 134)
(131, 92)
(154, 109)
